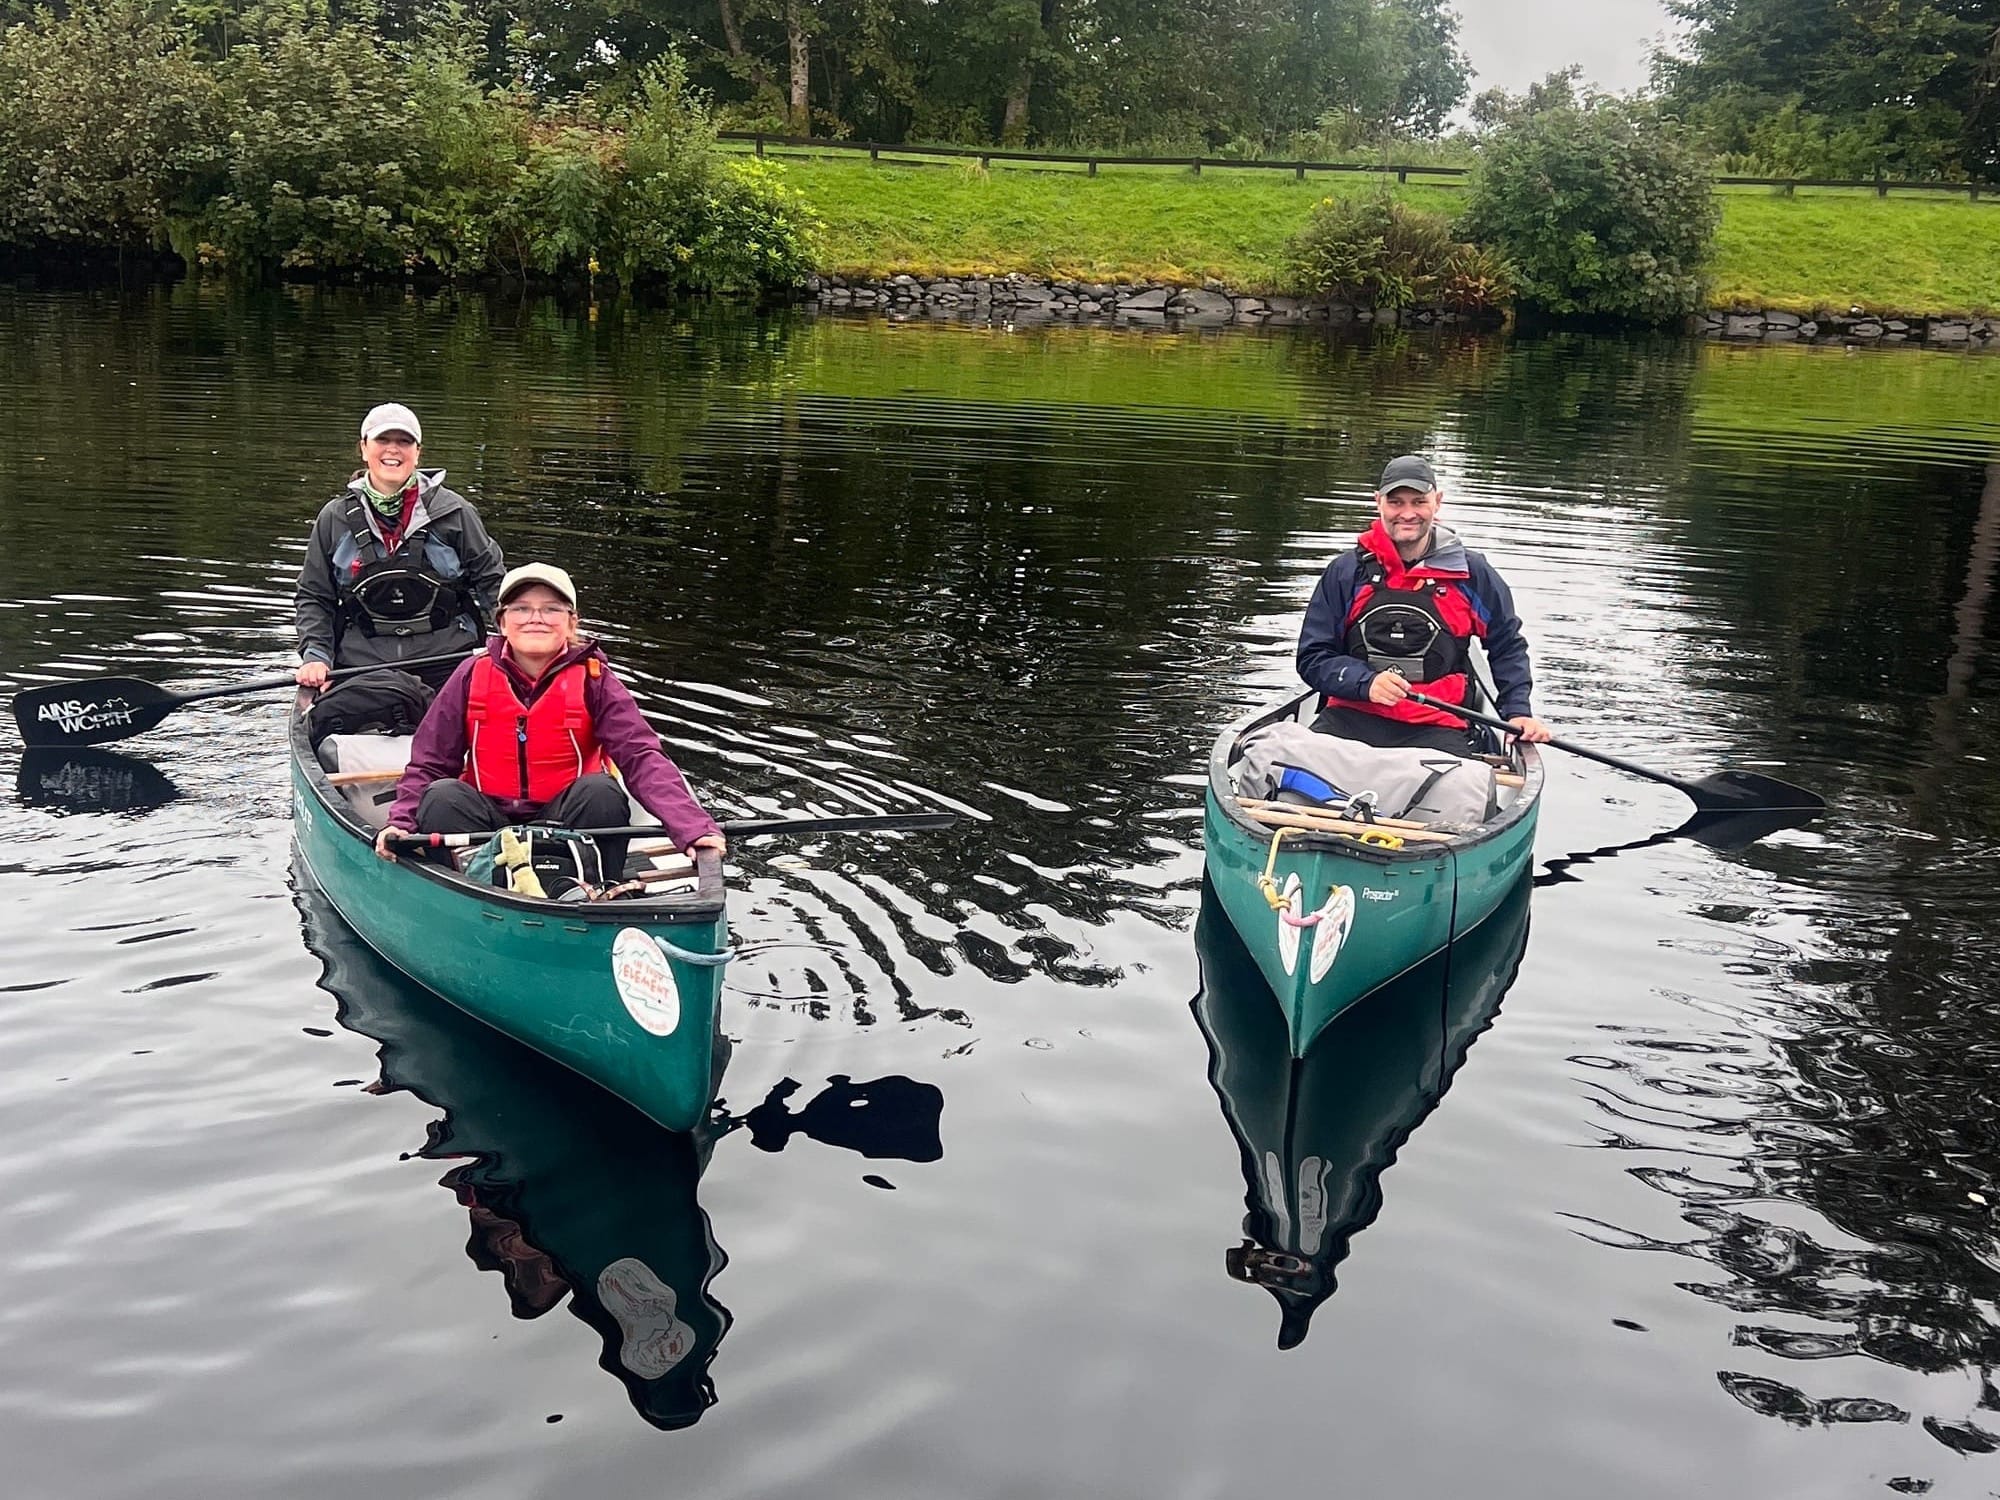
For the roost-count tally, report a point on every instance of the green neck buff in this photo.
(390, 504)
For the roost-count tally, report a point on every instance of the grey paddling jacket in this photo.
(455, 549)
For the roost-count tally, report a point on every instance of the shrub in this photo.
(1374, 251)
(104, 117)
(681, 217)
(1602, 209)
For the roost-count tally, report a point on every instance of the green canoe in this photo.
(1316, 1134)
(574, 1198)
(1356, 915)
(625, 992)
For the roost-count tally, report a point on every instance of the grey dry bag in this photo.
(1288, 762)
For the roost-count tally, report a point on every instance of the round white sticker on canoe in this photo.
(645, 981)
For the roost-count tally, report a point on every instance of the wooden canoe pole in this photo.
(1309, 822)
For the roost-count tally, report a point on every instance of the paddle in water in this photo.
(1722, 792)
(65, 715)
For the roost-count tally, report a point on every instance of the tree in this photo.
(1913, 82)
(1602, 210)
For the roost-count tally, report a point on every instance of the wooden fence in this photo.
(987, 155)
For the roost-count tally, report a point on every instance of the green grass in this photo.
(1906, 253)
(1821, 250)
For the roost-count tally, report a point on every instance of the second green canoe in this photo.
(1353, 915)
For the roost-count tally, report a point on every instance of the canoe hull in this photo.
(1360, 917)
(597, 988)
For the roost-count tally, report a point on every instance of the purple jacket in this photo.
(440, 746)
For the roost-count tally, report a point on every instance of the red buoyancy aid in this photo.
(529, 752)
(1398, 594)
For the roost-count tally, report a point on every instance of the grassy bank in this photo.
(1821, 249)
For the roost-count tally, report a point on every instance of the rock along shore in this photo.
(1015, 298)
(1854, 326)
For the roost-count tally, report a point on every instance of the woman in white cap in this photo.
(525, 732)
(398, 567)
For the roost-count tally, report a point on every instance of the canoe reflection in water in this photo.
(1316, 1133)
(574, 1194)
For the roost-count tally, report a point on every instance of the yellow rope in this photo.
(1268, 881)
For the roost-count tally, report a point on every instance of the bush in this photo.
(682, 217)
(1374, 251)
(104, 117)
(1602, 209)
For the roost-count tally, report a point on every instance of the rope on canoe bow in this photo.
(689, 956)
(1268, 881)
(1268, 884)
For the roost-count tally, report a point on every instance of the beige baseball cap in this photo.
(391, 416)
(545, 573)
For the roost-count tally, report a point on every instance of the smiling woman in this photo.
(528, 731)
(398, 567)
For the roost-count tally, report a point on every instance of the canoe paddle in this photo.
(737, 827)
(63, 715)
(1723, 792)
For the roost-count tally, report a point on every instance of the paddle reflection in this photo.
(91, 781)
(1316, 1133)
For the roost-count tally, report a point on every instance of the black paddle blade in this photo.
(64, 715)
(1733, 830)
(1746, 791)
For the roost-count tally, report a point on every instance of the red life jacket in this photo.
(529, 752)
(1416, 618)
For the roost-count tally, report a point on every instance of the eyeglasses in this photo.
(536, 611)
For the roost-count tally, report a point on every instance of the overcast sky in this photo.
(1513, 43)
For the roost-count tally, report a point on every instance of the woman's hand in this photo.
(385, 842)
(312, 674)
(713, 841)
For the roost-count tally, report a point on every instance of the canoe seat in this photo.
(366, 767)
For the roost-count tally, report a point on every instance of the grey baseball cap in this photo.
(1407, 473)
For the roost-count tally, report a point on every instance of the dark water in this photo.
(1708, 1206)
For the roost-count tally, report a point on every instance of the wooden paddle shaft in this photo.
(1307, 822)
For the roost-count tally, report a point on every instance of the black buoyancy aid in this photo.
(399, 593)
(1420, 630)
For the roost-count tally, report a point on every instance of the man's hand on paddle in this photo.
(1530, 729)
(385, 842)
(312, 674)
(1388, 687)
(713, 841)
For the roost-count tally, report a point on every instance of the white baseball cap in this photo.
(544, 573)
(391, 416)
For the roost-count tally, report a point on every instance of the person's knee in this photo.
(452, 806)
(598, 801)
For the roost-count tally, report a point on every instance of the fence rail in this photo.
(987, 155)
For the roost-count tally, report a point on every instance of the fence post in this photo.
(1975, 192)
(874, 152)
(985, 162)
(1299, 171)
(1881, 187)
(1093, 171)
(760, 143)
(1401, 175)
(1196, 164)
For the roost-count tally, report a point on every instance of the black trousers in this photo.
(1373, 729)
(597, 801)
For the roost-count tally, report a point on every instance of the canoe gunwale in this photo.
(1223, 794)
(702, 908)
